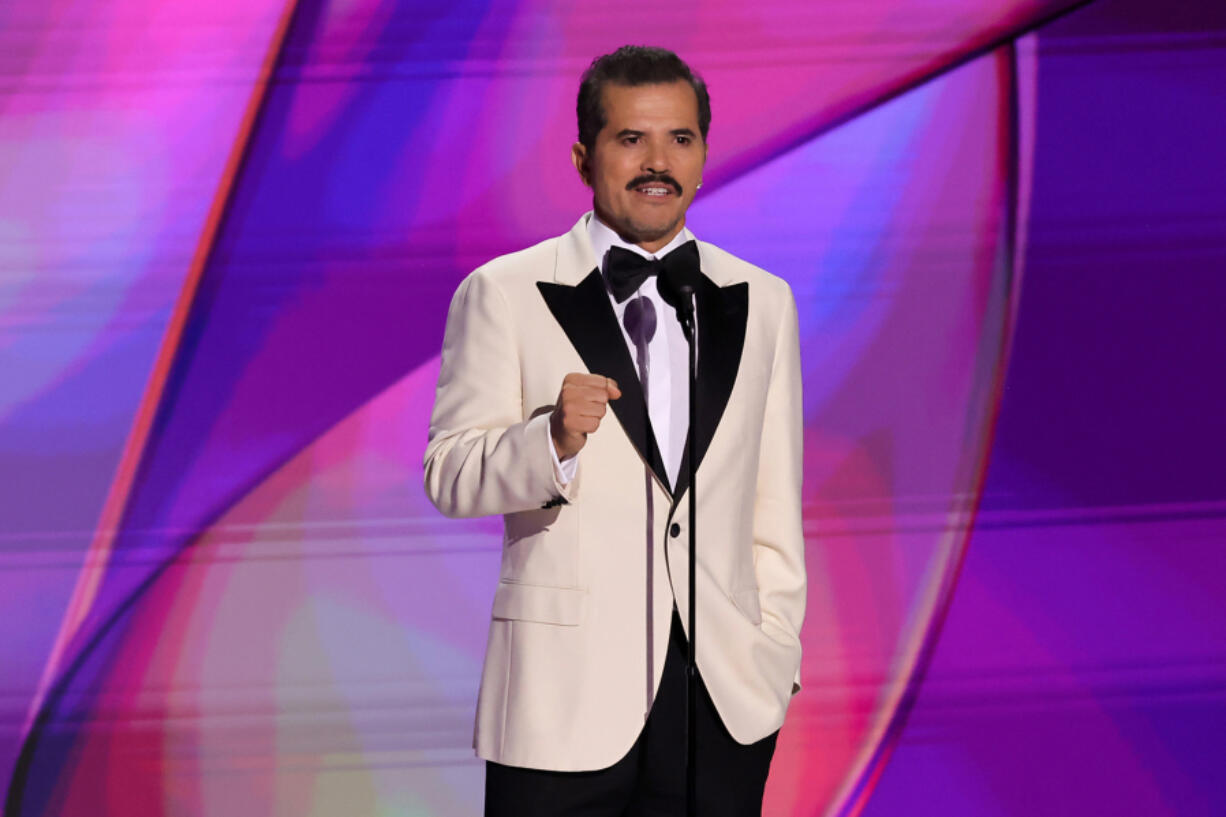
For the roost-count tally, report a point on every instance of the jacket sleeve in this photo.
(779, 545)
(483, 457)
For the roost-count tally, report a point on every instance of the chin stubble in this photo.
(643, 234)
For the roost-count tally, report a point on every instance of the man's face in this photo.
(647, 161)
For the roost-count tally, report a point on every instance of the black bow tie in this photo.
(627, 270)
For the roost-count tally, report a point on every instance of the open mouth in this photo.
(655, 187)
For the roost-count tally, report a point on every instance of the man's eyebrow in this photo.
(624, 132)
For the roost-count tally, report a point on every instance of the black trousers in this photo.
(650, 780)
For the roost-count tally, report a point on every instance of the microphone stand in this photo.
(678, 287)
(685, 312)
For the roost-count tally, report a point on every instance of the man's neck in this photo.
(603, 236)
(654, 247)
(651, 247)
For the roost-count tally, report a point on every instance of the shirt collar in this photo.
(603, 237)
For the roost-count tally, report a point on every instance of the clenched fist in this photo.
(581, 403)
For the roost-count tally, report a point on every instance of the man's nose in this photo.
(656, 160)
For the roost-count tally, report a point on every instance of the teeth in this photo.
(654, 191)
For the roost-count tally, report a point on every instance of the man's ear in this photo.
(578, 157)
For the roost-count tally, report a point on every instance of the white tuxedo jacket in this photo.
(591, 569)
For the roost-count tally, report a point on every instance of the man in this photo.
(582, 701)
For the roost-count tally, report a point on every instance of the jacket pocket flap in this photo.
(538, 602)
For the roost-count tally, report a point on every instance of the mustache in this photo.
(659, 178)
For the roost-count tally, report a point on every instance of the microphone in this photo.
(677, 286)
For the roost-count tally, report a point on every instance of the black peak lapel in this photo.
(722, 316)
(587, 318)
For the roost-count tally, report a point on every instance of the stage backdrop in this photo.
(229, 233)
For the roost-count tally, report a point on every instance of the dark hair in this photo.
(634, 65)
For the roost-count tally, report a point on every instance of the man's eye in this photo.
(630, 140)
(683, 140)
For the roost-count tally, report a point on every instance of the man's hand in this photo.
(581, 403)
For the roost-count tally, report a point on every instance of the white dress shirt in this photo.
(666, 356)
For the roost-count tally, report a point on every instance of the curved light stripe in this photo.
(97, 556)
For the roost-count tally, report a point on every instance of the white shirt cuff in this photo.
(564, 469)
